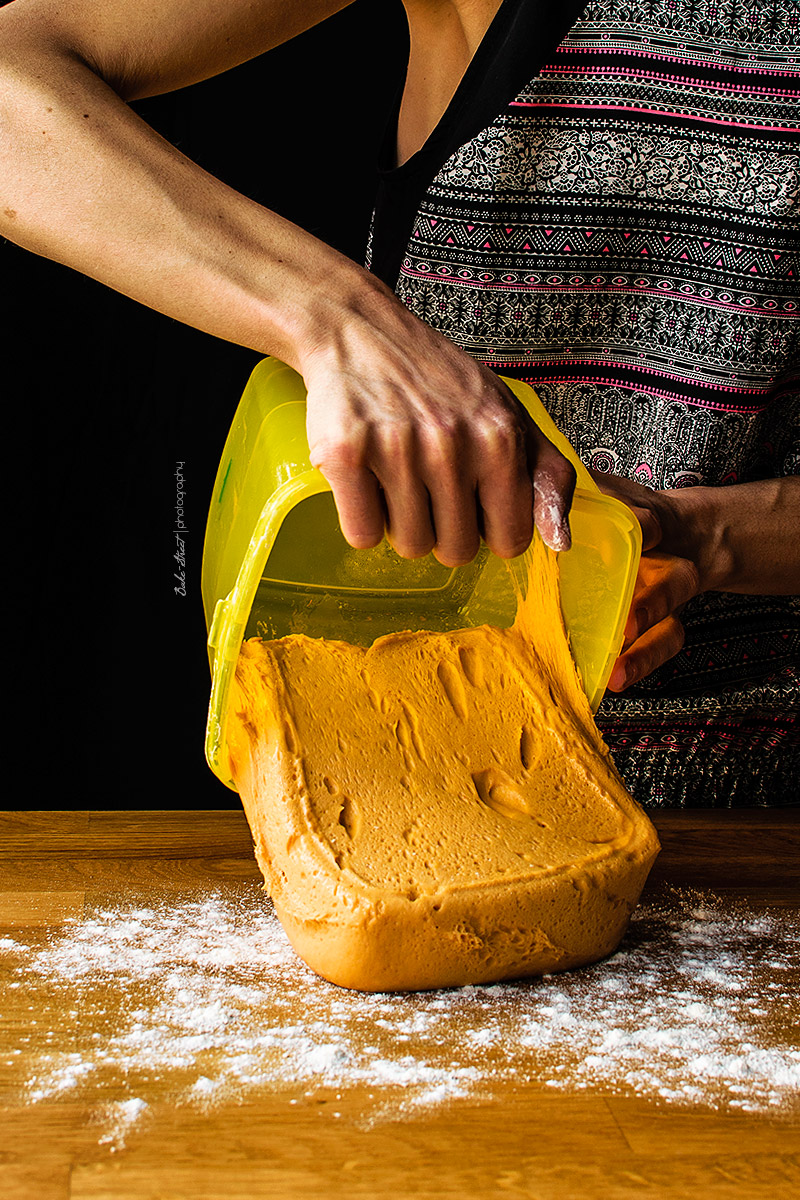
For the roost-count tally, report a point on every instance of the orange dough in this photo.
(438, 809)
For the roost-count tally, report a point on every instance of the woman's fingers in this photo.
(504, 490)
(553, 488)
(650, 525)
(355, 488)
(653, 632)
(664, 584)
(641, 500)
(438, 470)
(658, 645)
(409, 521)
(475, 481)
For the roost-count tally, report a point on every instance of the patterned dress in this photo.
(620, 230)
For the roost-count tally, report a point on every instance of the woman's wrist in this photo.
(740, 536)
(694, 526)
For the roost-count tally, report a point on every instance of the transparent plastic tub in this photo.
(275, 561)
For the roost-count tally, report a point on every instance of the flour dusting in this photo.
(208, 996)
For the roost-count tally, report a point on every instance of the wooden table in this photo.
(521, 1142)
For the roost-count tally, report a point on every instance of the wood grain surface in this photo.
(521, 1141)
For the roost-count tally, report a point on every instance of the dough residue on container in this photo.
(438, 808)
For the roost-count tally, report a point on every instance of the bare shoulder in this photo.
(156, 46)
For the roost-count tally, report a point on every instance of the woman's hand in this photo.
(664, 583)
(418, 439)
(412, 434)
(736, 538)
(653, 630)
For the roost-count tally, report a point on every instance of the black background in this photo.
(106, 667)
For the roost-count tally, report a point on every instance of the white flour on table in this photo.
(207, 998)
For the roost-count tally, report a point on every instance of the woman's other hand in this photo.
(653, 631)
(736, 538)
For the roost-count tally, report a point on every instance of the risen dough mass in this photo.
(438, 809)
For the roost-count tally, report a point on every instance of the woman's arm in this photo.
(739, 538)
(412, 433)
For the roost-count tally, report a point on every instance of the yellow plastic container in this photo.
(275, 561)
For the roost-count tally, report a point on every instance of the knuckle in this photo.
(661, 649)
(504, 439)
(562, 471)
(659, 608)
(341, 451)
(642, 619)
(338, 455)
(396, 441)
(443, 446)
(682, 582)
(690, 578)
(553, 473)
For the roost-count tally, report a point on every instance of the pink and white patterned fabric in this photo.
(624, 236)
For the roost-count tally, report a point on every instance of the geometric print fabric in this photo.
(625, 237)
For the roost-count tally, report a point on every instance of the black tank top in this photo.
(520, 38)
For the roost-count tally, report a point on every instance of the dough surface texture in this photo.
(439, 808)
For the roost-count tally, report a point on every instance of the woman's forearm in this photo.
(740, 538)
(86, 182)
(415, 437)
(743, 537)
